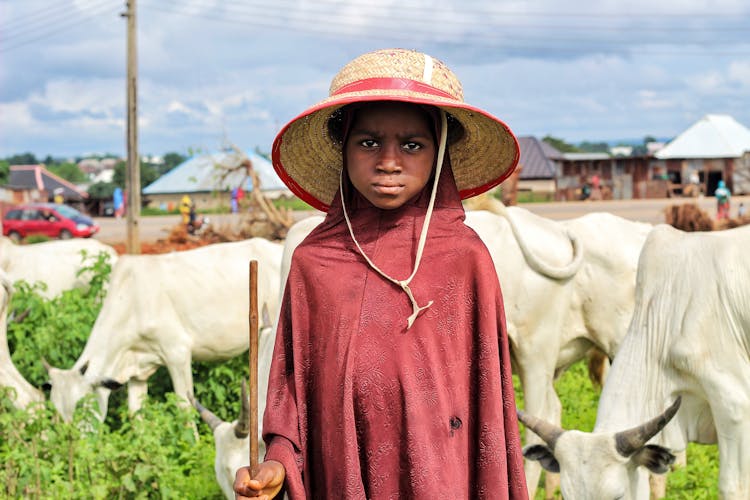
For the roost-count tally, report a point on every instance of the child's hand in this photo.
(263, 482)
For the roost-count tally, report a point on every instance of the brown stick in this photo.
(253, 417)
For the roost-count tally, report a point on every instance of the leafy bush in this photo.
(36, 238)
(154, 454)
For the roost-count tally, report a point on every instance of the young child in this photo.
(391, 373)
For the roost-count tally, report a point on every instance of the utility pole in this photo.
(133, 179)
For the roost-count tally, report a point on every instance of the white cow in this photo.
(169, 309)
(23, 393)
(689, 339)
(579, 295)
(55, 263)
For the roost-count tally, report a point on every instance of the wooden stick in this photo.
(253, 354)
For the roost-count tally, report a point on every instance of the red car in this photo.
(48, 219)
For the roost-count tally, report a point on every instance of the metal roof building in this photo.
(715, 147)
(713, 136)
(38, 178)
(203, 174)
(537, 159)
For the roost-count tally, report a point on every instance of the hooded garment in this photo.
(360, 407)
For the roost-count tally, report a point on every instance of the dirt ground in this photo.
(177, 240)
(166, 234)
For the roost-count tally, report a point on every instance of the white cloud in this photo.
(651, 100)
(739, 72)
(711, 81)
(16, 114)
(88, 96)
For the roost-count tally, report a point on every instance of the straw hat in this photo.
(309, 160)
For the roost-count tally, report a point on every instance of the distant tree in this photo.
(23, 159)
(593, 147)
(101, 190)
(642, 149)
(148, 174)
(171, 160)
(4, 171)
(560, 144)
(120, 175)
(68, 171)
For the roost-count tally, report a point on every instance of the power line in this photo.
(334, 29)
(44, 23)
(53, 28)
(274, 16)
(465, 7)
(36, 15)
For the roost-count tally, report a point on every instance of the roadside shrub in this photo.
(155, 454)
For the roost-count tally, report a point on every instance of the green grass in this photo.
(293, 203)
(579, 398)
(532, 197)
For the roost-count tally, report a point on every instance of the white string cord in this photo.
(404, 284)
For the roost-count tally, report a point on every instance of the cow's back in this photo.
(55, 263)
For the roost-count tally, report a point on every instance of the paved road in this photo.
(651, 211)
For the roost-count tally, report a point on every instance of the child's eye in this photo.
(412, 146)
(369, 143)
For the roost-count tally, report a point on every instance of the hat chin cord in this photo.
(404, 284)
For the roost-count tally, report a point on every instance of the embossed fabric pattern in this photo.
(360, 407)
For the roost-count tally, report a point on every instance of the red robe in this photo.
(360, 407)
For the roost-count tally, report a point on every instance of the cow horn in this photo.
(545, 430)
(242, 427)
(207, 415)
(631, 440)
(46, 364)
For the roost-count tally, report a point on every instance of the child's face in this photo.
(390, 152)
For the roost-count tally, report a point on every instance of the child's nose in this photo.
(388, 161)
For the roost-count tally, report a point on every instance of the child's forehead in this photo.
(383, 111)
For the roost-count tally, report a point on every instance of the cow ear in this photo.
(543, 455)
(110, 384)
(655, 458)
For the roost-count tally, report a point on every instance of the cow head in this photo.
(231, 442)
(68, 387)
(601, 465)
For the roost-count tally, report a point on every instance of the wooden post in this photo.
(133, 179)
(253, 354)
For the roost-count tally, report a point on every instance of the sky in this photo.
(212, 72)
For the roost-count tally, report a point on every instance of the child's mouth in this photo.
(389, 189)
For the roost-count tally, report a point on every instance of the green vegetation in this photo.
(293, 203)
(157, 453)
(560, 144)
(534, 197)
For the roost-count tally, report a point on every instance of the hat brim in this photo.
(309, 161)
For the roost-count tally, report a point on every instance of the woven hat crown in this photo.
(399, 64)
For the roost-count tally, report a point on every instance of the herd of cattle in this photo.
(671, 309)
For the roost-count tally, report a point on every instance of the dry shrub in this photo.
(688, 217)
(731, 223)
